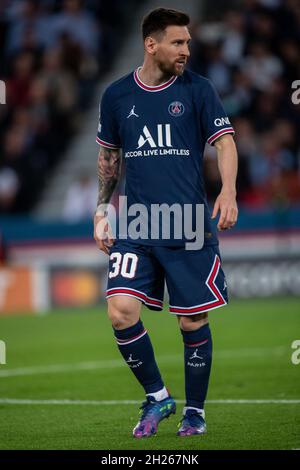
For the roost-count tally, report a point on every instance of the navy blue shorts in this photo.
(194, 278)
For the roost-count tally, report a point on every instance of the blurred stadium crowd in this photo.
(251, 51)
(54, 52)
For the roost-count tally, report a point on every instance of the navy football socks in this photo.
(197, 365)
(136, 348)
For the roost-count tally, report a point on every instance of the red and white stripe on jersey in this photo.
(193, 345)
(124, 342)
(107, 144)
(218, 301)
(216, 135)
(145, 87)
(135, 293)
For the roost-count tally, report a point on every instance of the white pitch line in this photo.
(57, 368)
(114, 363)
(54, 368)
(17, 401)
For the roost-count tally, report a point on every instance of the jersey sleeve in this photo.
(108, 134)
(214, 121)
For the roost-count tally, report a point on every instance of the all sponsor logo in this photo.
(163, 137)
(156, 143)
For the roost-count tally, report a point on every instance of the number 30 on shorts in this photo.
(123, 264)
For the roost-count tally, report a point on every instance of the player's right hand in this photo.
(103, 233)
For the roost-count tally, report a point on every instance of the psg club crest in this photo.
(176, 109)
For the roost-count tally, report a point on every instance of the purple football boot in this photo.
(152, 412)
(192, 423)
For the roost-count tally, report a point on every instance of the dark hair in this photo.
(157, 20)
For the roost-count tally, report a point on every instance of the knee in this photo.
(194, 322)
(119, 318)
(122, 314)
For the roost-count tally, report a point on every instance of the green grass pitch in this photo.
(73, 356)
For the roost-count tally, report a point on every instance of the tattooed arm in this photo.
(109, 168)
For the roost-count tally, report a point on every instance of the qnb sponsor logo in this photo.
(296, 93)
(296, 354)
(221, 121)
(2, 352)
(163, 137)
(159, 221)
(2, 92)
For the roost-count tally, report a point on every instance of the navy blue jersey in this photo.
(162, 131)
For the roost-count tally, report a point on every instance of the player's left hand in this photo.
(226, 204)
(103, 234)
